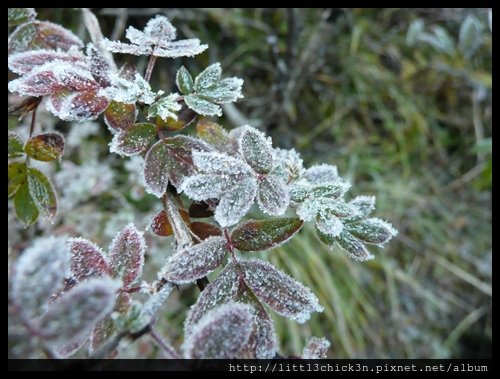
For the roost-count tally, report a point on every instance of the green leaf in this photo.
(372, 230)
(257, 235)
(17, 175)
(202, 106)
(133, 140)
(207, 78)
(354, 248)
(470, 35)
(26, 210)
(257, 150)
(166, 107)
(120, 116)
(45, 147)
(42, 192)
(15, 145)
(184, 81)
(20, 15)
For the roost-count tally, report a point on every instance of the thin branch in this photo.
(33, 121)
(151, 65)
(171, 353)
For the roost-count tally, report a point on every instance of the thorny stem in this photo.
(161, 343)
(149, 69)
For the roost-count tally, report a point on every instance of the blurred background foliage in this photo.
(398, 99)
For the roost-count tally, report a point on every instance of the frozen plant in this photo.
(65, 296)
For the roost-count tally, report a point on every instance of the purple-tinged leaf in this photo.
(17, 176)
(75, 314)
(87, 259)
(39, 82)
(372, 230)
(134, 140)
(155, 169)
(42, 192)
(39, 273)
(21, 15)
(200, 209)
(45, 147)
(321, 174)
(126, 254)
(99, 66)
(41, 35)
(65, 350)
(161, 226)
(27, 61)
(204, 230)
(80, 106)
(354, 248)
(316, 348)
(257, 150)
(235, 204)
(194, 262)
(15, 146)
(26, 209)
(281, 292)
(273, 196)
(257, 235)
(221, 290)
(221, 334)
(120, 116)
(184, 81)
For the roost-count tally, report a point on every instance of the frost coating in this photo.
(320, 174)
(128, 91)
(273, 196)
(156, 39)
(39, 273)
(373, 231)
(281, 292)
(316, 348)
(77, 311)
(256, 149)
(87, 259)
(134, 140)
(235, 204)
(221, 334)
(165, 107)
(194, 262)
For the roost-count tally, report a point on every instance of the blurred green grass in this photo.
(408, 124)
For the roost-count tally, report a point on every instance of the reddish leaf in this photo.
(200, 209)
(120, 116)
(66, 350)
(204, 230)
(316, 348)
(79, 106)
(41, 35)
(161, 226)
(134, 139)
(126, 254)
(39, 82)
(45, 147)
(221, 333)
(99, 67)
(87, 259)
(281, 292)
(25, 62)
(256, 235)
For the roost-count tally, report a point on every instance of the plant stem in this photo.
(179, 228)
(33, 120)
(172, 354)
(149, 69)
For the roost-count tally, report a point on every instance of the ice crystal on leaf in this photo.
(321, 174)
(221, 334)
(157, 39)
(87, 259)
(165, 107)
(194, 262)
(281, 292)
(133, 140)
(124, 90)
(39, 273)
(316, 348)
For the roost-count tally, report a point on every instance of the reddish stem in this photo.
(149, 69)
(33, 120)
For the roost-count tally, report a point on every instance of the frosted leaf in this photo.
(129, 91)
(161, 225)
(41, 35)
(99, 66)
(299, 190)
(42, 192)
(221, 334)
(153, 305)
(159, 29)
(310, 207)
(207, 78)
(79, 106)
(373, 231)
(87, 259)
(273, 196)
(202, 106)
(331, 189)
(362, 206)
(136, 36)
(262, 343)
(165, 107)
(330, 226)
(182, 48)
(339, 208)
(291, 165)
(65, 350)
(217, 163)
(281, 292)
(226, 91)
(125, 48)
(39, 82)
(354, 248)
(119, 116)
(236, 203)
(21, 15)
(207, 186)
(15, 146)
(155, 170)
(320, 174)
(316, 348)
(204, 230)
(74, 314)
(16, 175)
(39, 273)
(256, 235)
(25, 207)
(221, 290)
(45, 147)
(215, 135)
(25, 62)
(256, 149)
(194, 262)
(126, 254)
(184, 81)
(134, 140)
